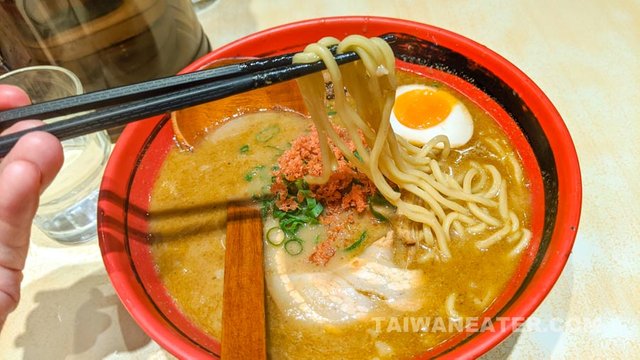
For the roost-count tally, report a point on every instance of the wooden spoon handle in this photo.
(243, 305)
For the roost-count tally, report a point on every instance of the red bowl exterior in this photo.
(114, 203)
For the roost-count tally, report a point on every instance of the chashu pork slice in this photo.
(374, 272)
(349, 292)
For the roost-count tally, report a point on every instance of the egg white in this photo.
(458, 125)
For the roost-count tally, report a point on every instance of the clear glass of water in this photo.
(67, 211)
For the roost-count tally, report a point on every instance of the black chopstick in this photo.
(118, 95)
(157, 97)
(124, 113)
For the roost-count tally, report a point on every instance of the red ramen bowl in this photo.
(529, 119)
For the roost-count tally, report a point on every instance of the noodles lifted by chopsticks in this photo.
(409, 177)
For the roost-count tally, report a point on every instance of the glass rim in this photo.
(53, 68)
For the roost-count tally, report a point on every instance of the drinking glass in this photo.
(67, 211)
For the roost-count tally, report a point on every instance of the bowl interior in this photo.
(517, 105)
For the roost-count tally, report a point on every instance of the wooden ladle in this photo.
(193, 123)
(243, 304)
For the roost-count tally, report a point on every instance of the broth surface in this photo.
(189, 249)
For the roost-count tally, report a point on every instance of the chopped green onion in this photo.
(244, 149)
(331, 112)
(293, 246)
(277, 149)
(357, 155)
(267, 133)
(267, 204)
(253, 172)
(305, 193)
(376, 214)
(377, 200)
(314, 210)
(301, 184)
(357, 242)
(275, 236)
(290, 222)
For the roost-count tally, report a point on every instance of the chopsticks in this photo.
(125, 104)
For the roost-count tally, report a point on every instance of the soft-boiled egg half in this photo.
(422, 112)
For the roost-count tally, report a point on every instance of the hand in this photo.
(24, 174)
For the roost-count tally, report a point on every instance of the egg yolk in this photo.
(423, 108)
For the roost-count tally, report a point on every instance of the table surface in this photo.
(583, 54)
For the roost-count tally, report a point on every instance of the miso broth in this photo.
(235, 161)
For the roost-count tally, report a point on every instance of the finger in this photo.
(19, 186)
(9, 292)
(12, 96)
(40, 148)
(22, 125)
